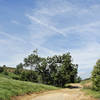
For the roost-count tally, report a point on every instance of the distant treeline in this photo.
(56, 70)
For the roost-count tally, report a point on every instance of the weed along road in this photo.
(72, 93)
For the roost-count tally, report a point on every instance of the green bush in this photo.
(1, 69)
(14, 76)
(19, 69)
(5, 73)
(78, 79)
(29, 76)
(96, 76)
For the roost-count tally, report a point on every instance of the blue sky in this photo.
(53, 27)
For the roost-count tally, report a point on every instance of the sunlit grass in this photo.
(93, 93)
(10, 87)
(87, 88)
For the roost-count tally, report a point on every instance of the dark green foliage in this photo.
(1, 69)
(19, 68)
(43, 72)
(78, 79)
(29, 76)
(56, 70)
(14, 76)
(5, 73)
(96, 76)
(32, 60)
(62, 70)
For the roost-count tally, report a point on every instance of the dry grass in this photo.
(88, 89)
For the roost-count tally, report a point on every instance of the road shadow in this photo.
(72, 87)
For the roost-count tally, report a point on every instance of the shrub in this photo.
(5, 73)
(96, 76)
(19, 69)
(1, 69)
(78, 79)
(29, 76)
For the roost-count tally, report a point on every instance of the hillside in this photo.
(10, 87)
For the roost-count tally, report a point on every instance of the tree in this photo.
(32, 60)
(3, 68)
(43, 71)
(56, 70)
(61, 70)
(67, 72)
(19, 68)
(78, 79)
(96, 76)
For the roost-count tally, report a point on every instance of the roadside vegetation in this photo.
(29, 76)
(92, 86)
(10, 87)
(57, 70)
(88, 89)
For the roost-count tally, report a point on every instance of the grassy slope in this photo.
(10, 87)
(87, 89)
(95, 94)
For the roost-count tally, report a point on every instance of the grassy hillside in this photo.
(10, 87)
(87, 88)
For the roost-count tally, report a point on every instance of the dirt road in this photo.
(73, 93)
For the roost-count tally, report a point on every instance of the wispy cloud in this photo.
(91, 28)
(12, 37)
(59, 8)
(86, 57)
(50, 27)
(53, 27)
(44, 19)
(12, 49)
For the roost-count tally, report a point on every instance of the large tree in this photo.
(56, 70)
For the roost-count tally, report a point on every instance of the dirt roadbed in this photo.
(72, 93)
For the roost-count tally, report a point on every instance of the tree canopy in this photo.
(56, 70)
